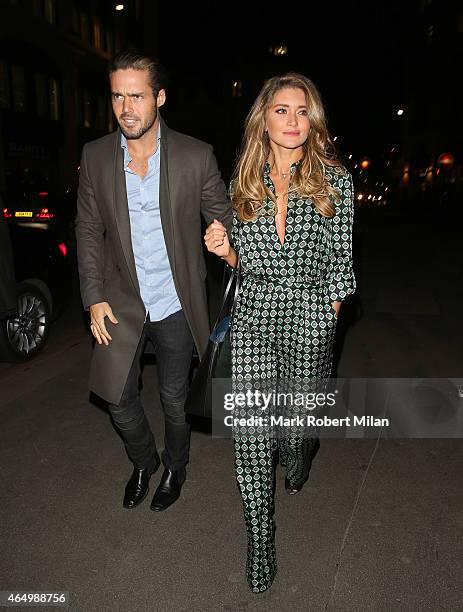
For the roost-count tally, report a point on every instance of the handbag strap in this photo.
(238, 274)
(235, 274)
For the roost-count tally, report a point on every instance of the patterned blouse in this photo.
(316, 249)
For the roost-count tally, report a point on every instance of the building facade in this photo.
(53, 83)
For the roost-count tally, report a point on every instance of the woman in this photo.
(292, 230)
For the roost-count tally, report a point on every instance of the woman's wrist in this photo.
(231, 258)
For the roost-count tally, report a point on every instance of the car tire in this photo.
(24, 335)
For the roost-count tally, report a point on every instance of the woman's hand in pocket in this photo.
(336, 306)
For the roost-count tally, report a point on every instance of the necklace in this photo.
(282, 175)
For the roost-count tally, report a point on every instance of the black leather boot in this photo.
(138, 485)
(168, 490)
(292, 489)
(313, 446)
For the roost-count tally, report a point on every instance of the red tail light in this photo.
(63, 248)
(43, 194)
(44, 213)
(6, 213)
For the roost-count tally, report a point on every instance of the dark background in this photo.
(357, 53)
(369, 59)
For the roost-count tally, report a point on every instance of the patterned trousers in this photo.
(259, 446)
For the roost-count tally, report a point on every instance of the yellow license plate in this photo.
(23, 213)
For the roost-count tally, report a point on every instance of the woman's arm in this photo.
(340, 277)
(217, 242)
(232, 258)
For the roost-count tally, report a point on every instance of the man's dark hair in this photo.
(132, 58)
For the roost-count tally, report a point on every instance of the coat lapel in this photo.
(165, 203)
(121, 211)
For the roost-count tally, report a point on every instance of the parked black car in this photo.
(43, 286)
(31, 206)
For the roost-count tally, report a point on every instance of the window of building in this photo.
(47, 97)
(97, 38)
(49, 11)
(75, 21)
(41, 95)
(94, 110)
(86, 109)
(54, 99)
(84, 28)
(45, 9)
(79, 103)
(109, 46)
(18, 83)
(101, 116)
(4, 85)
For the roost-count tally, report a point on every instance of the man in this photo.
(142, 191)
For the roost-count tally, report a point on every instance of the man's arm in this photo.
(90, 231)
(215, 203)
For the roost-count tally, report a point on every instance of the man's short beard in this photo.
(143, 128)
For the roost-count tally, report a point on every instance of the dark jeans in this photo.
(173, 344)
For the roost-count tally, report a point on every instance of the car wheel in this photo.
(25, 333)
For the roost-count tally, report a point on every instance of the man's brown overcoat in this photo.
(190, 186)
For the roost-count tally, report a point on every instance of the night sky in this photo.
(356, 52)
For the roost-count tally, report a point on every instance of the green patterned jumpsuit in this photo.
(283, 328)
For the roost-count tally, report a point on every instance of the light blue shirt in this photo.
(149, 248)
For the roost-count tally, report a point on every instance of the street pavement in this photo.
(378, 527)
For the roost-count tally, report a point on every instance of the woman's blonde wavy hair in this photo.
(248, 191)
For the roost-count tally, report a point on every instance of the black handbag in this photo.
(216, 362)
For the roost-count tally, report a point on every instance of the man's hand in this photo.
(98, 312)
